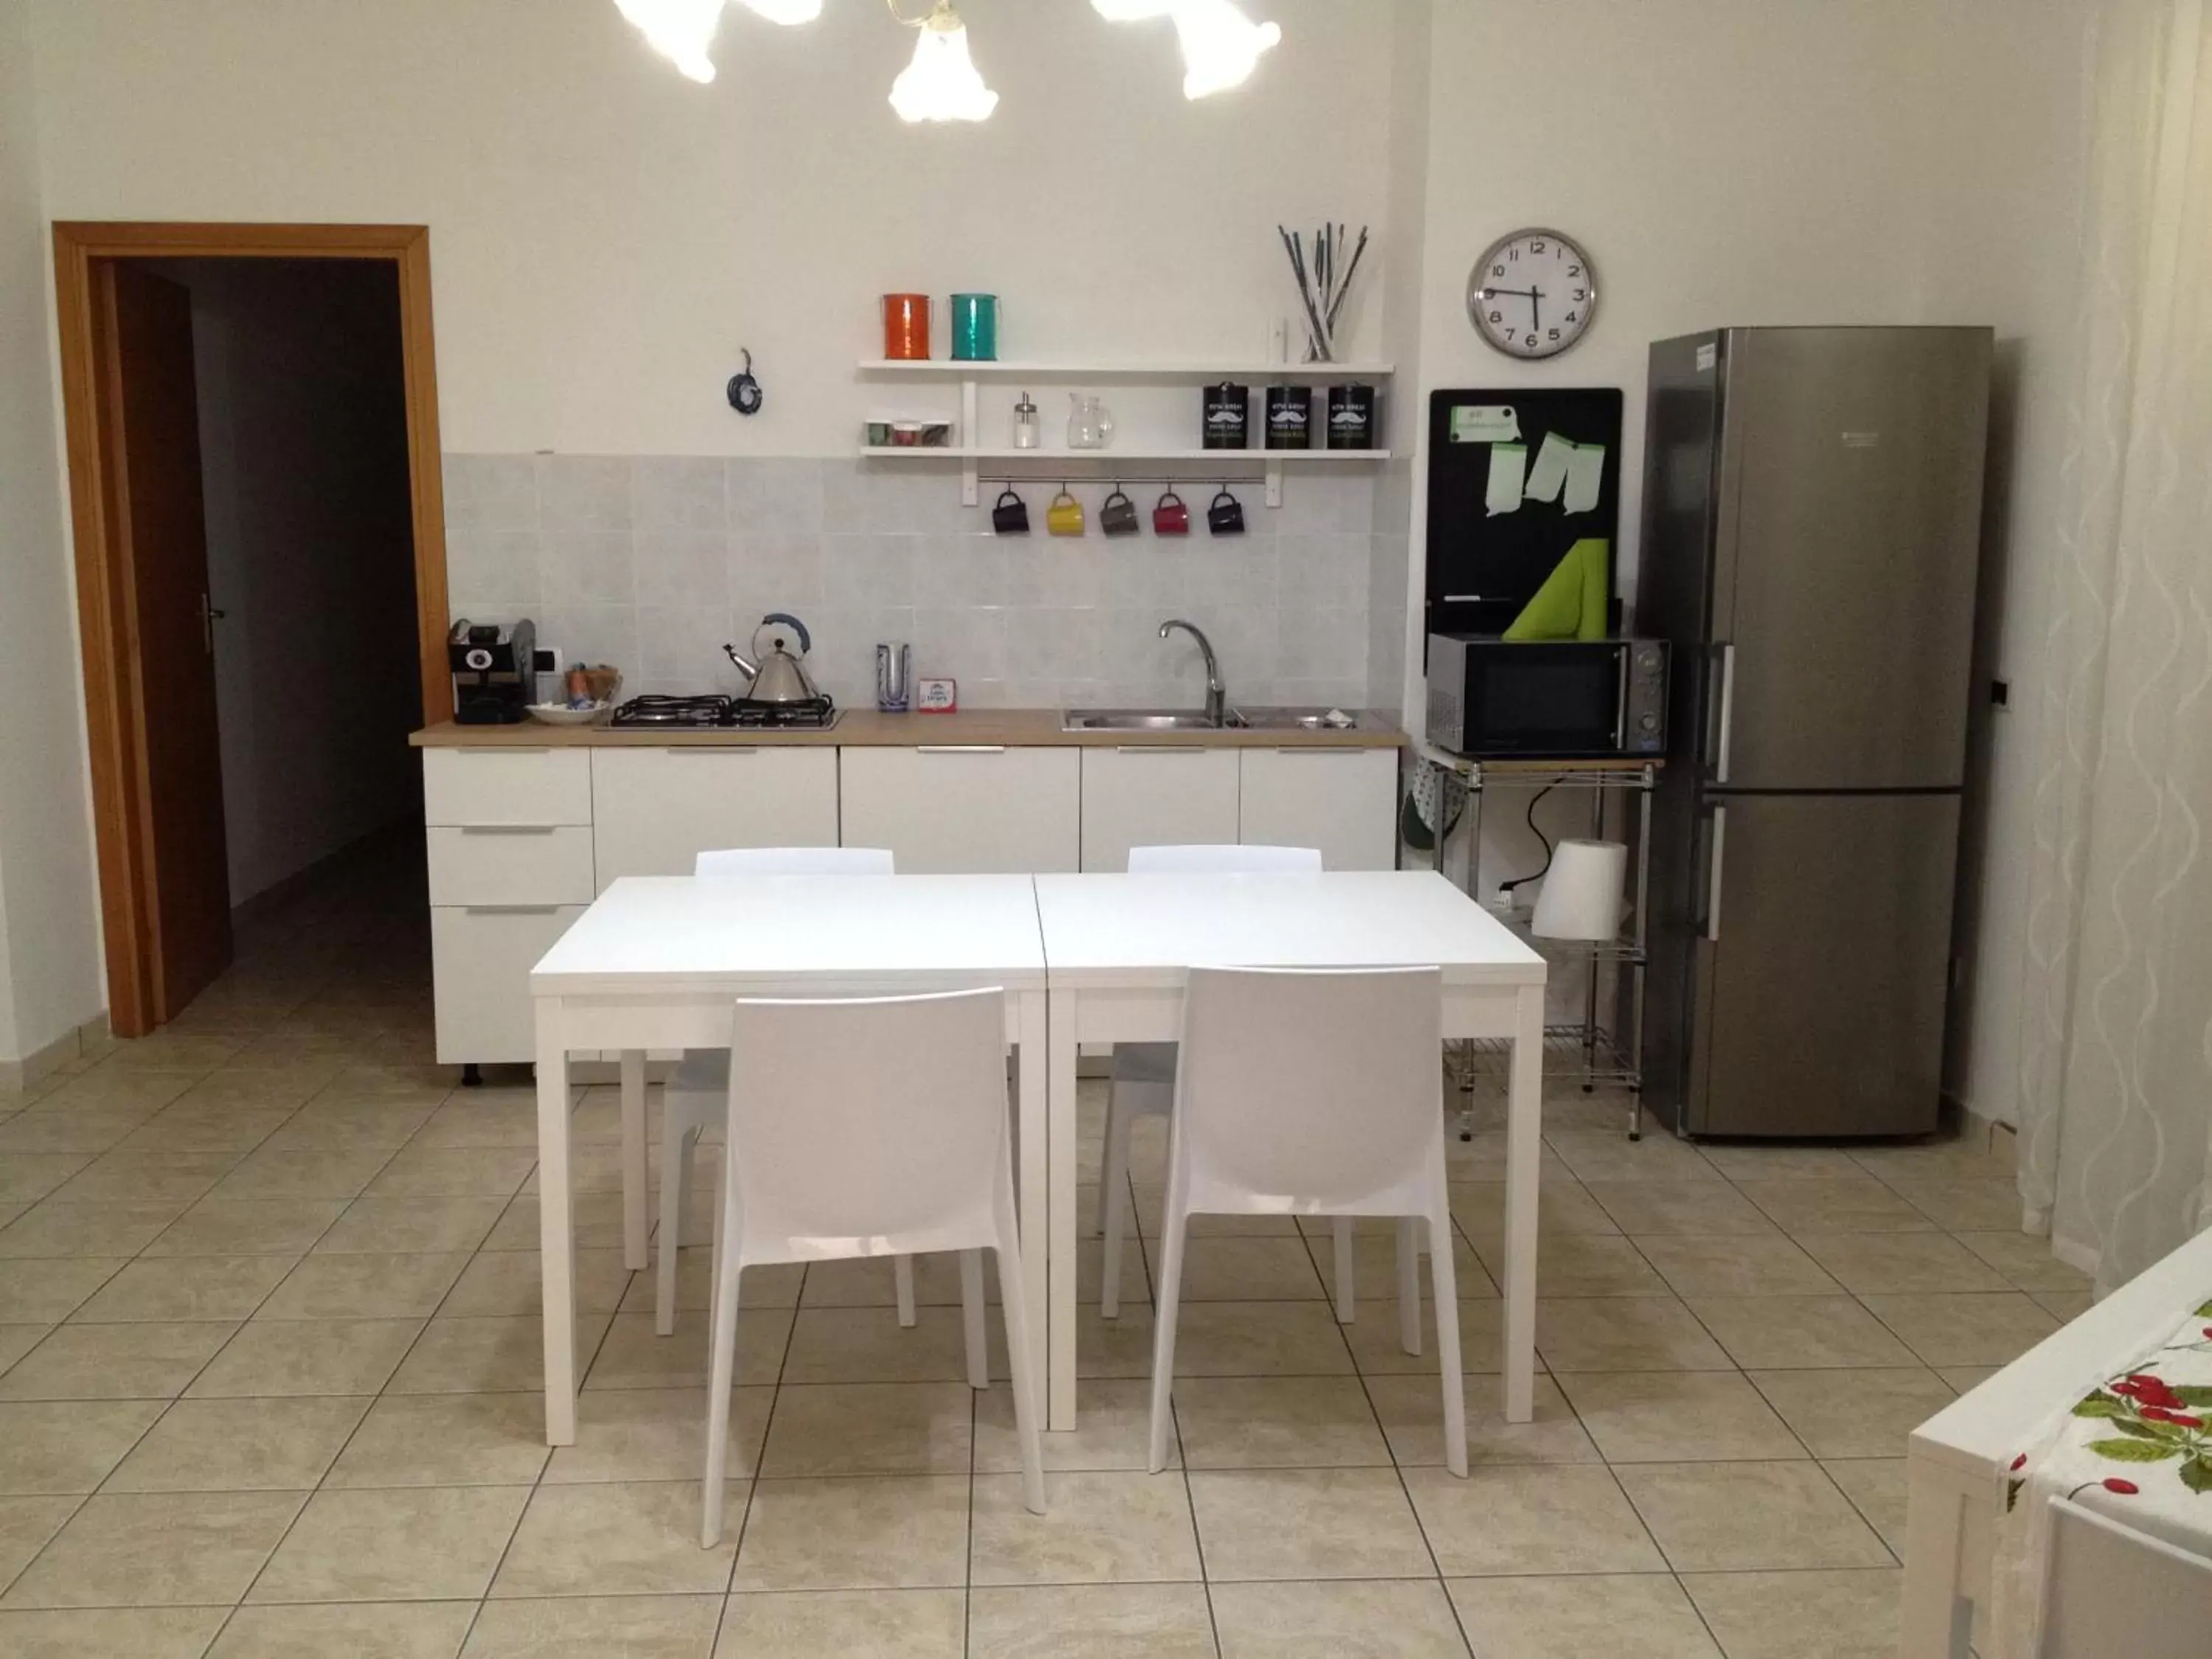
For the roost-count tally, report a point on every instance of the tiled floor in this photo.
(268, 1349)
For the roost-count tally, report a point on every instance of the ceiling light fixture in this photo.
(1220, 44)
(942, 83)
(679, 30)
(785, 11)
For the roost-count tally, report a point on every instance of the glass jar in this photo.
(1029, 432)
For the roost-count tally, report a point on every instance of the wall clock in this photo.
(1533, 294)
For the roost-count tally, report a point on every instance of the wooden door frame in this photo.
(114, 704)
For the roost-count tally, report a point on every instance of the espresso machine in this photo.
(494, 670)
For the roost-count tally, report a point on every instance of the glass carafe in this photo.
(1090, 422)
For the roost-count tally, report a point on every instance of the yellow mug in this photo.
(1065, 516)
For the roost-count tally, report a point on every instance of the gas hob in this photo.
(710, 714)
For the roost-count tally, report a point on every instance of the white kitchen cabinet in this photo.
(654, 810)
(1345, 801)
(965, 809)
(501, 783)
(481, 956)
(1156, 795)
(511, 864)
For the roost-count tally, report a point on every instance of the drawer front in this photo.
(1345, 801)
(508, 865)
(480, 961)
(507, 786)
(654, 810)
(1156, 796)
(965, 811)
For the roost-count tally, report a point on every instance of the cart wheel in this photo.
(1636, 1135)
(472, 1076)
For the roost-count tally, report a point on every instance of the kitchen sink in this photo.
(1140, 720)
(1294, 720)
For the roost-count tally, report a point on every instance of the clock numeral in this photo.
(1498, 271)
(1513, 253)
(1532, 340)
(1536, 246)
(1555, 333)
(1497, 316)
(1573, 317)
(1574, 270)
(1581, 294)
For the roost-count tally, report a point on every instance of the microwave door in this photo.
(1539, 699)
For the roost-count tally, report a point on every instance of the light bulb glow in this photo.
(1220, 44)
(679, 30)
(942, 83)
(785, 11)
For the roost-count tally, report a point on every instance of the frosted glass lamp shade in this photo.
(942, 83)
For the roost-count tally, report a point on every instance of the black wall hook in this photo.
(744, 391)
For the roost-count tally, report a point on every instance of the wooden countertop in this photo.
(863, 728)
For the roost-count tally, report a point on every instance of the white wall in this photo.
(50, 974)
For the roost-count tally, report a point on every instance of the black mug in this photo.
(1117, 515)
(1011, 515)
(1224, 516)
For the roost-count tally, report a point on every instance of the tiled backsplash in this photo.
(651, 563)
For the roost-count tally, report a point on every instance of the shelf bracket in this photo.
(1274, 483)
(970, 488)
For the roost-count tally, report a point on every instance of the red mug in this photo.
(1171, 517)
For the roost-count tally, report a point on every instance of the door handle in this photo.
(209, 617)
(715, 749)
(1158, 749)
(960, 749)
(1713, 875)
(509, 828)
(511, 909)
(1727, 740)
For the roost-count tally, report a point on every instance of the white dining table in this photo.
(1118, 949)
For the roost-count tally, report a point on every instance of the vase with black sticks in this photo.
(1323, 280)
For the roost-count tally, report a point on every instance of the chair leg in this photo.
(902, 1283)
(971, 1315)
(1166, 1296)
(1021, 1363)
(1446, 1277)
(722, 1367)
(676, 1153)
(1409, 1284)
(1341, 1231)
(1113, 1209)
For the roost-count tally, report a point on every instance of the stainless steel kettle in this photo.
(777, 675)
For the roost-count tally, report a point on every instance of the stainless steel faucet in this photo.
(1217, 695)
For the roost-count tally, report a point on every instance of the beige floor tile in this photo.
(868, 1345)
(1591, 1264)
(869, 1532)
(26, 1523)
(206, 1130)
(1563, 1206)
(272, 1226)
(83, 1129)
(465, 1123)
(1739, 1518)
(470, 1172)
(1118, 1347)
(1800, 1615)
(1965, 1330)
(386, 1630)
(870, 1428)
(272, 1089)
(350, 1125)
(365, 1287)
(16, 1340)
(269, 1358)
(1645, 1615)
(1090, 1621)
(1103, 1527)
(1960, 1207)
(319, 1172)
(619, 1538)
(1737, 1266)
(1530, 1519)
(140, 1632)
(1772, 1161)
(480, 1356)
(1875, 1486)
(46, 1292)
(1961, 1157)
(1656, 1417)
(1113, 1431)
(1306, 1524)
(656, 1434)
(1277, 1423)
(775, 1286)
(1411, 1409)
(1851, 1203)
(1777, 1332)
(49, 1448)
(178, 1288)
(1623, 1334)
(2025, 1261)
(1608, 1155)
(926, 1624)
(1965, 1377)
(2063, 1305)
(157, 1550)
(118, 1089)
(1855, 1413)
(1873, 1264)
(432, 1545)
(1680, 1206)
(1261, 1338)
(1249, 1270)
(634, 1627)
(1375, 1265)
(114, 1362)
(446, 1440)
(506, 1284)
(596, 1217)
(26, 1178)
(410, 1226)
(239, 1445)
(184, 1176)
(1349, 1619)
(633, 1357)
(121, 1227)
(1378, 1351)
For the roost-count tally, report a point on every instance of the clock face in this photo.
(1533, 294)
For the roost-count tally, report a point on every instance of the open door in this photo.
(153, 445)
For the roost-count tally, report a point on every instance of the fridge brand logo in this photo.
(1861, 439)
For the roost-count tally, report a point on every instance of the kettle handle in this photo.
(805, 639)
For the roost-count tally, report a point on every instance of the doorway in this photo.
(253, 466)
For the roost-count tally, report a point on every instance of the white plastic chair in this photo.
(697, 1096)
(1144, 1074)
(2110, 1590)
(1311, 1093)
(864, 1128)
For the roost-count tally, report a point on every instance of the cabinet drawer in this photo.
(955, 810)
(1345, 801)
(1156, 795)
(480, 962)
(654, 810)
(496, 865)
(507, 786)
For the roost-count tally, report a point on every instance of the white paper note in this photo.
(1485, 423)
(1508, 463)
(1551, 469)
(1585, 477)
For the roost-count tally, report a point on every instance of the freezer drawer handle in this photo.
(509, 828)
(1713, 874)
(961, 749)
(510, 909)
(1727, 714)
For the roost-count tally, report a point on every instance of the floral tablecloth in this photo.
(2137, 1448)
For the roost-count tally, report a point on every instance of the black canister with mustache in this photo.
(1289, 416)
(1226, 421)
(1352, 416)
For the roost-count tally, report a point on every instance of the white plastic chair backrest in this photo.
(2110, 1590)
(794, 861)
(1311, 1085)
(1223, 860)
(867, 1118)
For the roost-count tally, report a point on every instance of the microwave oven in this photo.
(1494, 699)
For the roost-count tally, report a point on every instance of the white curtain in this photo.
(2116, 1087)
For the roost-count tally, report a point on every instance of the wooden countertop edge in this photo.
(865, 728)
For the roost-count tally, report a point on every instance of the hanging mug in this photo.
(1170, 516)
(906, 327)
(1118, 517)
(1011, 515)
(1226, 516)
(1064, 517)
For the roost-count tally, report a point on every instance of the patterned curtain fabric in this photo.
(2116, 1086)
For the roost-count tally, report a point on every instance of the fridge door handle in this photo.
(1726, 741)
(1713, 874)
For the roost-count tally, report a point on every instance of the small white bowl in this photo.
(559, 713)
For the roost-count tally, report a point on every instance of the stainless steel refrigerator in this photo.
(1812, 521)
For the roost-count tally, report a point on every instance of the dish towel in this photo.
(2137, 1448)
